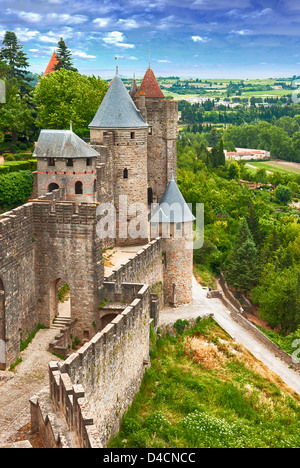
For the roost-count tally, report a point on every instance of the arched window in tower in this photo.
(78, 188)
(125, 173)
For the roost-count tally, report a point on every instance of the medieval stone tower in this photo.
(162, 117)
(173, 220)
(119, 134)
(65, 161)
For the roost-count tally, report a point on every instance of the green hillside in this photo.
(204, 390)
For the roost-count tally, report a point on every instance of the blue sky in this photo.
(186, 38)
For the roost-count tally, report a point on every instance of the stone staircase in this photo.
(61, 322)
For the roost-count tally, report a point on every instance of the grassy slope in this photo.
(204, 390)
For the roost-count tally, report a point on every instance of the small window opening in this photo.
(78, 188)
(70, 162)
(132, 135)
(125, 173)
(150, 131)
(51, 162)
(88, 161)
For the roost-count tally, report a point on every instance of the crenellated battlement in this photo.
(94, 386)
(64, 212)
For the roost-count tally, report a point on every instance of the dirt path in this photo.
(16, 388)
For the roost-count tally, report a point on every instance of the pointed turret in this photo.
(172, 207)
(133, 88)
(117, 109)
(150, 86)
(51, 65)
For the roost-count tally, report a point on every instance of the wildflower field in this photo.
(205, 390)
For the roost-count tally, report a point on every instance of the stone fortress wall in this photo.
(93, 388)
(41, 243)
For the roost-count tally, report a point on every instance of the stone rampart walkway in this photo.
(16, 388)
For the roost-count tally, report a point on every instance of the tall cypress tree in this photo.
(243, 270)
(253, 224)
(64, 57)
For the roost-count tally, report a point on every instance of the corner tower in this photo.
(162, 118)
(173, 220)
(119, 133)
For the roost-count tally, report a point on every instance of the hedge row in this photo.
(15, 188)
(17, 156)
(16, 166)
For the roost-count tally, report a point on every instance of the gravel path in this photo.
(16, 388)
(202, 306)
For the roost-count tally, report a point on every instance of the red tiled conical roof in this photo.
(150, 86)
(51, 65)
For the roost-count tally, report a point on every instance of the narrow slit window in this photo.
(132, 135)
(70, 162)
(125, 173)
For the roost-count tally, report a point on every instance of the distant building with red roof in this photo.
(51, 65)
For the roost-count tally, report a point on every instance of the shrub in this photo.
(15, 188)
(9, 157)
(180, 326)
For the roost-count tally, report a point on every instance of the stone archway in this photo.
(60, 299)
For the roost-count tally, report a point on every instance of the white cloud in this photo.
(117, 38)
(126, 57)
(23, 34)
(101, 22)
(83, 55)
(200, 39)
(63, 18)
(163, 61)
(242, 32)
(128, 23)
(66, 18)
(49, 39)
(52, 37)
(26, 16)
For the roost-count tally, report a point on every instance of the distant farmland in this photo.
(278, 166)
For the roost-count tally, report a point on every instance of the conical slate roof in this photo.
(149, 86)
(62, 144)
(172, 207)
(117, 109)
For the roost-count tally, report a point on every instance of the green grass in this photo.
(272, 92)
(204, 390)
(273, 166)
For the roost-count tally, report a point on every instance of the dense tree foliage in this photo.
(253, 236)
(66, 96)
(15, 188)
(275, 129)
